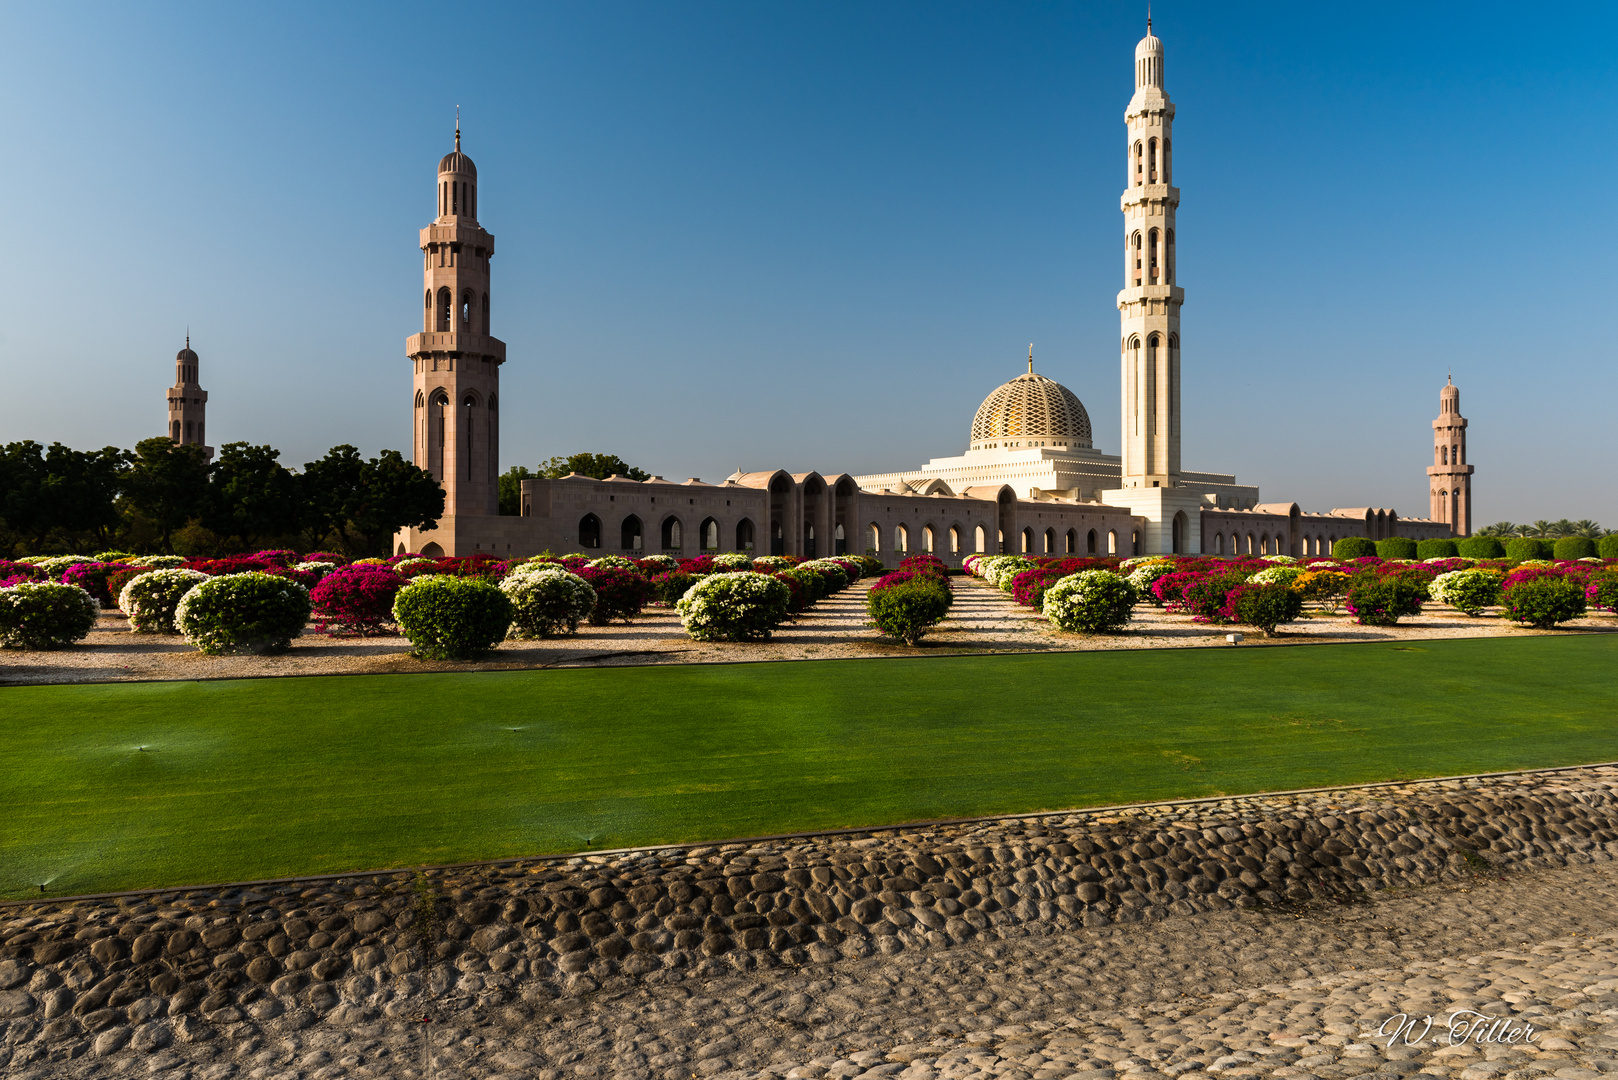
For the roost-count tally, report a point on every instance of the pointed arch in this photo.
(590, 531)
(630, 536)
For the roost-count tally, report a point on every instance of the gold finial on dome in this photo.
(1030, 358)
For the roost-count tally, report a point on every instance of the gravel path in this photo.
(983, 620)
(1268, 935)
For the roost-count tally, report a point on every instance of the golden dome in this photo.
(1031, 410)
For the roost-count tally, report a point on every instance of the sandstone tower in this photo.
(457, 378)
(1149, 304)
(1449, 477)
(188, 402)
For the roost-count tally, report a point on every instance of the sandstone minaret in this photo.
(457, 380)
(1149, 305)
(1449, 477)
(188, 402)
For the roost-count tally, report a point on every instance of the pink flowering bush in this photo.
(279, 556)
(92, 578)
(356, 600)
(620, 593)
(1262, 606)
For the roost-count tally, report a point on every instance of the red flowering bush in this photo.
(356, 600)
(1170, 588)
(92, 578)
(1204, 598)
(925, 562)
(1028, 586)
(231, 564)
(1601, 590)
(324, 556)
(20, 571)
(1261, 606)
(620, 593)
(484, 567)
(279, 556)
(799, 599)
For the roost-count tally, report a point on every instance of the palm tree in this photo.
(1499, 528)
(1540, 528)
(1562, 528)
(1586, 527)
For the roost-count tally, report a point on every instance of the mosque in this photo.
(1030, 480)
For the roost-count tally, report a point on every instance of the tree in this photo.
(362, 503)
(1499, 528)
(511, 489)
(1586, 527)
(81, 490)
(252, 495)
(168, 483)
(599, 466)
(22, 479)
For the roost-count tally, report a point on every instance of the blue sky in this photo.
(817, 235)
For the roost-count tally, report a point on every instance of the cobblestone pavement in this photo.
(1292, 976)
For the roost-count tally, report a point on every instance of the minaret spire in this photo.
(458, 124)
(1030, 359)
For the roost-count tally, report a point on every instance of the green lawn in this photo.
(271, 777)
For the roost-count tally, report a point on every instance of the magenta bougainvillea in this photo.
(356, 600)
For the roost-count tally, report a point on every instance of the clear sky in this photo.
(817, 235)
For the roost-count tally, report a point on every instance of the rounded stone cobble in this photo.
(136, 971)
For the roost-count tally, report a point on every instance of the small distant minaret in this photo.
(1449, 476)
(188, 402)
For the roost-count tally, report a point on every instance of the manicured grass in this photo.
(271, 777)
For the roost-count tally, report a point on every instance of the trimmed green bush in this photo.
(1527, 547)
(149, 599)
(242, 613)
(1574, 547)
(1352, 547)
(734, 607)
(908, 610)
(1437, 548)
(1396, 547)
(1468, 591)
(1264, 606)
(1091, 601)
(1545, 601)
(1481, 547)
(1383, 599)
(45, 615)
(546, 603)
(1607, 547)
(452, 618)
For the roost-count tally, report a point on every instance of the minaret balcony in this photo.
(453, 343)
(1146, 193)
(1138, 293)
(468, 235)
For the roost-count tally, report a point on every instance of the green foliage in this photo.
(908, 610)
(168, 484)
(45, 615)
(1383, 599)
(1437, 548)
(1543, 602)
(1396, 547)
(243, 613)
(1574, 547)
(734, 607)
(1607, 546)
(1265, 606)
(252, 498)
(452, 618)
(1526, 547)
(1481, 547)
(510, 489)
(1091, 601)
(599, 466)
(363, 503)
(1352, 547)
(1468, 591)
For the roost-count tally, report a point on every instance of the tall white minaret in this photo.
(1149, 304)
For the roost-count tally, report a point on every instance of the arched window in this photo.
(1028, 541)
(1151, 161)
(839, 541)
(1112, 542)
(1443, 458)
(744, 535)
(1134, 543)
(1219, 543)
(901, 539)
(1050, 542)
(1135, 381)
(875, 532)
(485, 313)
(445, 299)
(778, 540)
(978, 539)
(1180, 528)
(432, 551)
(427, 310)
(710, 534)
(1140, 164)
(176, 435)
(630, 534)
(1070, 543)
(954, 539)
(809, 539)
(590, 531)
(1151, 256)
(1090, 542)
(672, 540)
(1250, 548)
(1454, 451)
(1137, 257)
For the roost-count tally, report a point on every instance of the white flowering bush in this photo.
(733, 560)
(1277, 575)
(243, 613)
(1456, 559)
(1091, 601)
(998, 570)
(770, 564)
(1279, 559)
(56, 565)
(745, 606)
(45, 615)
(547, 601)
(1145, 575)
(150, 599)
(658, 564)
(611, 562)
(405, 564)
(1468, 591)
(318, 568)
(157, 562)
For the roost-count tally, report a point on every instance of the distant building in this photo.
(1030, 480)
(188, 402)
